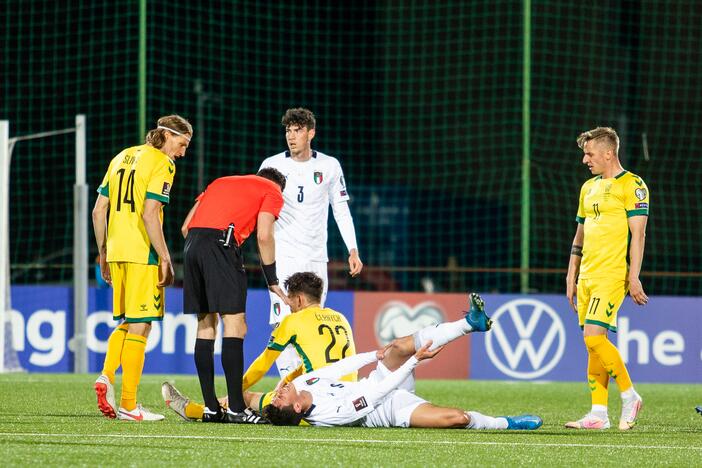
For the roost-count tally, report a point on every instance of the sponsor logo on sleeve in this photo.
(342, 193)
(166, 190)
(641, 206)
(640, 193)
(312, 381)
(360, 403)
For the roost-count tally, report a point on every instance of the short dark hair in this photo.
(286, 416)
(306, 283)
(299, 116)
(273, 174)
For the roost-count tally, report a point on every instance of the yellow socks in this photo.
(601, 348)
(597, 381)
(194, 410)
(133, 353)
(114, 352)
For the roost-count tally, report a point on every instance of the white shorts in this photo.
(396, 409)
(286, 267)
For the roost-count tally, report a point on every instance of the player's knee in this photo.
(403, 346)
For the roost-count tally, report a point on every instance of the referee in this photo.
(214, 283)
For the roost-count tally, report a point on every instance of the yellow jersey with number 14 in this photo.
(604, 209)
(134, 175)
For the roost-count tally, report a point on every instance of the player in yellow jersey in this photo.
(605, 262)
(134, 258)
(320, 336)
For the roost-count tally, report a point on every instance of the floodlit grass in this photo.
(51, 419)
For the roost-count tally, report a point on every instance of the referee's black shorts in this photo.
(214, 277)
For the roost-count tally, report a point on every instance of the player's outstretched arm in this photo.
(152, 223)
(259, 367)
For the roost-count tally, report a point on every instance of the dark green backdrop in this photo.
(421, 101)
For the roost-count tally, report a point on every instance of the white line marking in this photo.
(346, 441)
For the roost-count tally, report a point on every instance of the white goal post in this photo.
(80, 242)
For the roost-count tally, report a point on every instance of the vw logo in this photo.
(525, 328)
(397, 319)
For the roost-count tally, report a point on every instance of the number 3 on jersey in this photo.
(300, 194)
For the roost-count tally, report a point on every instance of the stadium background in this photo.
(422, 102)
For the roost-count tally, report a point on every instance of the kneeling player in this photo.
(385, 399)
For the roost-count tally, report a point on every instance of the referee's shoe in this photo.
(245, 417)
(475, 316)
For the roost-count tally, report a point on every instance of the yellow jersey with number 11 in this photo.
(134, 175)
(604, 209)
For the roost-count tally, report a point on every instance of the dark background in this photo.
(421, 101)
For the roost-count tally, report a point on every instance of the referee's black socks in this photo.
(204, 362)
(233, 365)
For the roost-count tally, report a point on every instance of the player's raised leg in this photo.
(475, 320)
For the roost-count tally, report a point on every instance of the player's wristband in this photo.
(269, 274)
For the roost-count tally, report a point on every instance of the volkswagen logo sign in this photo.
(397, 319)
(527, 339)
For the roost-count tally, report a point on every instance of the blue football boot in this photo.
(528, 422)
(475, 316)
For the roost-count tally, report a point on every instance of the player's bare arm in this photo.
(637, 227)
(102, 206)
(576, 255)
(191, 213)
(152, 223)
(266, 249)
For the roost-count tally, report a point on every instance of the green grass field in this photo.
(51, 419)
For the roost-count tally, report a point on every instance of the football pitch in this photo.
(53, 420)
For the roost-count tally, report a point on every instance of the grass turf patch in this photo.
(53, 419)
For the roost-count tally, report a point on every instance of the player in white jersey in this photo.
(313, 182)
(386, 398)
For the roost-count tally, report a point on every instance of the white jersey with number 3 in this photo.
(301, 229)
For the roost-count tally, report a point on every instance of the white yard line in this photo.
(347, 441)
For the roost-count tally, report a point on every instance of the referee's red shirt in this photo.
(238, 200)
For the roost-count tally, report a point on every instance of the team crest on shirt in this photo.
(360, 403)
(318, 177)
(312, 381)
(640, 193)
(166, 190)
(276, 309)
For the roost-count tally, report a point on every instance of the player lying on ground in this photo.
(308, 330)
(385, 399)
(304, 292)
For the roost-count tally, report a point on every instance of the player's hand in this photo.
(105, 269)
(571, 293)
(166, 274)
(355, 263)
(636, 291)
(424, 353)
(279, 292)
